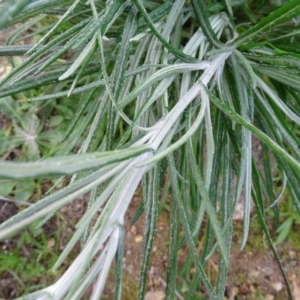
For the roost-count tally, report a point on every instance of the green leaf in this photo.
(67, 164)
(286, 77)
(283, 230)
(86, 87)
(34, 8)
(6, 187)
(257, 198)
(60, 21)
(152, 188)
(173, 253)
(119, 263)
(16, 50)
(84, 55)
(10, 9)
(281, 15)
(41, 51)
(262, 136)
(67, 112)
(200, 13)
(79, 113)
(10, 108)
(124, 52)
(177, 53)
(208, 206)
(55, 120)
(159, 75)
(51, 203)
(24, 190)
(187, 231)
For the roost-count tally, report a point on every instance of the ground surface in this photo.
(254, 273)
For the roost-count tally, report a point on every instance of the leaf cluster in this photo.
(171, 95)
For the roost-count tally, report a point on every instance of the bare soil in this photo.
(254, 273)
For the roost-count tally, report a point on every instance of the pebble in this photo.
(138, 238)
(292, 254)
(133, 229)
(155, 295)
(277, 286)
(254, 274)
(51, 243)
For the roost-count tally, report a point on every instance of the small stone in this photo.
(130, 269)
(4, 71)
(254, 274)
(252, 288)
(156, 282)
(232, 292)
(155, 295)
(292, 254)
(277, 286)
(138, 238)
(133, 229)
(193, 271)
(293, 263)
(269, 297)
(51, 244)
(295, 286)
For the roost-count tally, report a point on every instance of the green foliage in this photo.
(27, 272)
(291, 218)
(168, 94)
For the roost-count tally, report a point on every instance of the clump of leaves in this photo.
(169, 94)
